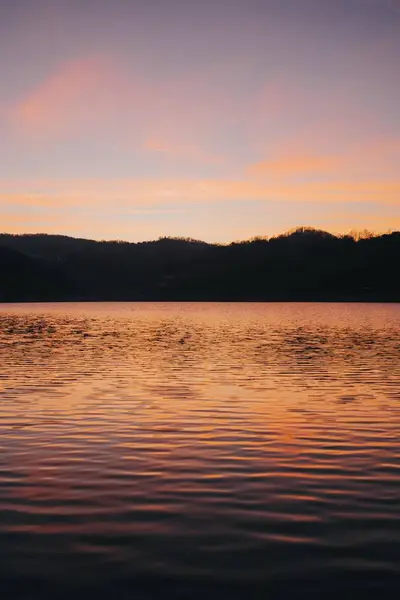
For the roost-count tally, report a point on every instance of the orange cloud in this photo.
(378, 157)
(295, 165)
(142, 193)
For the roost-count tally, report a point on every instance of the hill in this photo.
(303, 264)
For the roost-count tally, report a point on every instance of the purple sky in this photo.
(219, 120)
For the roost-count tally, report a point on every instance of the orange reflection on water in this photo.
(125, 419)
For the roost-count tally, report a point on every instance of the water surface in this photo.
(199, 450)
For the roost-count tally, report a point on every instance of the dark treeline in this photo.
(304, 264)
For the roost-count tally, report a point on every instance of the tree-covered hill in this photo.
(303, 264)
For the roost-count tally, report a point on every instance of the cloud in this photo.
(354, 161)
(295, 165)
(48, 109)
(173, 149)
(94, 98)
(153, 144)
(76, 95)
(140, 193)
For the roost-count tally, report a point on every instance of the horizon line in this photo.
(356, 234)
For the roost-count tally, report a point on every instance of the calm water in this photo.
(199, 451)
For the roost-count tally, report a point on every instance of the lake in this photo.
(199, 450)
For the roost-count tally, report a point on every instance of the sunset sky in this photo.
(217, 119)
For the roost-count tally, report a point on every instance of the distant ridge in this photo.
(302, 264)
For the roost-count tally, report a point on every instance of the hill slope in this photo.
(304, 264)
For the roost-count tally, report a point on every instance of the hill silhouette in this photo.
(303, 264)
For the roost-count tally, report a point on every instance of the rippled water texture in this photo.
(199, 451)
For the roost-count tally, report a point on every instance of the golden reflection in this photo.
(250, 384)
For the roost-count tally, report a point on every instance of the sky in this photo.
(219, 120)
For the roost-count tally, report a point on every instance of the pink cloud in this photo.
(274, 100)
(76, 95)
(167, 146)
(174, 149)
(66, 96)
(94, 96)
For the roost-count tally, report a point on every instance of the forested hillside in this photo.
(304, 264)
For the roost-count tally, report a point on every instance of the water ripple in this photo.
(183, 450)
